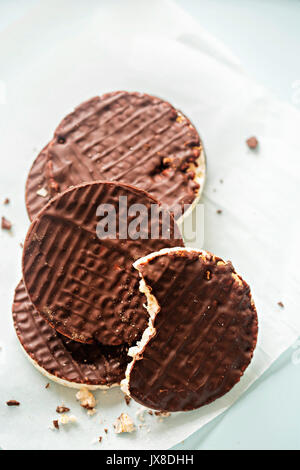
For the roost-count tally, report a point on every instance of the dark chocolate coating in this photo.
(86, 364)
(36, 180)
(133, 138)
(206, 332)
(86, 287)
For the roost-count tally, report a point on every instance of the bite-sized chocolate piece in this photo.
(36, 182)
(62, 409)
(127, 400)
(252, 143)
(202, 333)
(83, 285)
(123, 136)
(55, 424)
(61, 359)
(5, 224)
(13, 403)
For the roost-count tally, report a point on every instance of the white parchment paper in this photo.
(154, 47)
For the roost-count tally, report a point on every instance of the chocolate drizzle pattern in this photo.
(61, 357)
(206, 332)
(86, 287)
(133, 138)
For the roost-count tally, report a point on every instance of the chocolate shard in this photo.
(55, 424)
(252, 143)
(13, 403)
(62, 409)
(5, 224)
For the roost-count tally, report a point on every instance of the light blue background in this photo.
(265, 36)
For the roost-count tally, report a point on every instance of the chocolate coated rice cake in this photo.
(124, 136)
(202, 331)
(86, 287)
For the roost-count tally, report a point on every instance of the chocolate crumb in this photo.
(150, 413)
(47, 385)
(13, 403)
(100, 438)
(5, 224)
(105, 430)
(6, 201)
(55, 424)
(62, 409)
(127, 399)
(252, 142)
(21, 245)
(219, 211)
(280, 304)
(87, 407)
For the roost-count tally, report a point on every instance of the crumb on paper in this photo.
(55, 424)
(42, 192)
(5, 224)
(100, 438)
(105, 430)
(6, 201)
(124, 424)
(162, 414)
(92, 412)
(86, 398)
(62, 409)
(47, 385)
(67, 419)
(127, 399)
(280, 304)
(13, 403)
(252, 142)
(219, 211)
(150, 412)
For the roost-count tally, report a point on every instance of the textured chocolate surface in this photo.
(86, 364)
(36, 181)
(133, 138)
(206, 332)
(86, 287)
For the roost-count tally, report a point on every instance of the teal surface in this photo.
(265, 36)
